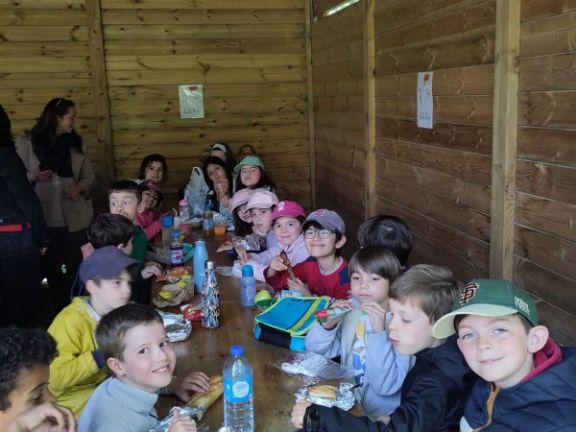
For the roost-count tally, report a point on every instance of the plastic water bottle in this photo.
(167, 228)
(238, 392)
(247, 286)
(199, 263)
(176, 251)
(184, 211)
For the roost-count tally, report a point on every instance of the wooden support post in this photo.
(504, 138)
(100, 89)
(369, 110)
(309, 16)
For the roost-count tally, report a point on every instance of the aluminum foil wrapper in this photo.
(164, 425)
(313, 367)
(177, 328)
(344, 397)
(251, 243)
(304, 364)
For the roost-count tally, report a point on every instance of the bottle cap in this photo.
(175, 234)
(168, 221)
(237, 350)
(200, 242)
(247, 270)
(209, 265)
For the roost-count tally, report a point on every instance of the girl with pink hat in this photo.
(287, 218)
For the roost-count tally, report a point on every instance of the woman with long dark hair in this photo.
(22, 234)
(61, 173)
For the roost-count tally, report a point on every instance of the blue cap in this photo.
(237, 350)
(247, 270)
(104, 263)
(168, 221)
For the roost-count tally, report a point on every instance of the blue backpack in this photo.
(288, 320)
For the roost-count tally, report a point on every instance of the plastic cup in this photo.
(219, 229)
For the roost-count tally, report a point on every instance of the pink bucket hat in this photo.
(262, 199)
(289, 209)
(241, 197)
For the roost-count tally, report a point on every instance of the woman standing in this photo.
(62, 176)
(22, 234)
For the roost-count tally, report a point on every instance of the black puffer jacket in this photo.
(19, 204)
(544, 403)
(433, 397)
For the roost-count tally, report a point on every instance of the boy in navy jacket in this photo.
(527, 381)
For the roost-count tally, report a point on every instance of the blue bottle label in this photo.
(177, 257)
(239, 391)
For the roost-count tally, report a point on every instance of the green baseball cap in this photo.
(489, 298)
(249, 161)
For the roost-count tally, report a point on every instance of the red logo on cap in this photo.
(318, 212)
(468, 292)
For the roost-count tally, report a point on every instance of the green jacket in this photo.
(140, 245)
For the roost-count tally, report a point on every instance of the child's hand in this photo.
(330, 324)
(244, 257)
(377, 315)
(277, 264)
(298, 413)
(196, 382)
(383, 419)
(47, 417)
(298, 285)
(242, 254)
(221, 187)
(151, 269)
(182, 424)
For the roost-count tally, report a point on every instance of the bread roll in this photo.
(206, 399)
(323, 392)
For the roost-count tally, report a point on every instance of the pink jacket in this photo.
(150, 223)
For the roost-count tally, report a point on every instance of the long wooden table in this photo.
(206, 350)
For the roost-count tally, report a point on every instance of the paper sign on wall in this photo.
(425, 103)
(191, 101)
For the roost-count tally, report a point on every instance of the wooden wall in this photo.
(440, 180)
(337, 75)
(545, 229)
(250, 55)
(43, 55)
(251, 59)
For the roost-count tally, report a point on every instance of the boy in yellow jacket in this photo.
(106, 275)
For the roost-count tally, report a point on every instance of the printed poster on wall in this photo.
(425, 103)
(191, 101)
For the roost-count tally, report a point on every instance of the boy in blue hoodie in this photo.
(360, 337)
(527, 381)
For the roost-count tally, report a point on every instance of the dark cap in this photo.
(103, 263)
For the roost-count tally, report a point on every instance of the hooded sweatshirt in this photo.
(544, 401)
(385, 368)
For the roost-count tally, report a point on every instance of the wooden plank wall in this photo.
(43, 55)
(545, 233)
(337, 74)
(437, 180)
(250, 56)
